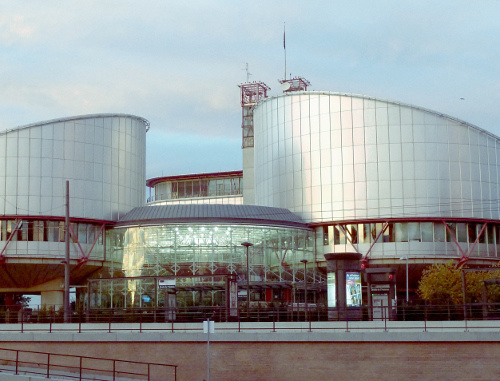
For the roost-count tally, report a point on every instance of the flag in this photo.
(284, 46)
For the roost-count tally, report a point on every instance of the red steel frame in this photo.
(85, 256)
(366, 257)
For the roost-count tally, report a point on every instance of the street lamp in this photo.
(304, 261)
(405, 257)
(247, 245)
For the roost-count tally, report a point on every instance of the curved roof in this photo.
(205, 213)
(89, 116)
(316, 92)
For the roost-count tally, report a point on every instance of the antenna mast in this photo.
(248, 73)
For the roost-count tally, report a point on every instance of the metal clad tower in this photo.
(251, 94)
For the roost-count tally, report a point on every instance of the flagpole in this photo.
(284, 47)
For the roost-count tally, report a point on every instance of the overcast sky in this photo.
(178, 63)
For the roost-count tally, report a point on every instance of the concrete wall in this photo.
(303, 361)
(453, 354)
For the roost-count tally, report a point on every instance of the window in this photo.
(451, 228)
(401, 231)
(461, 232)
(339, 237)
(426, 230)
(439, 234)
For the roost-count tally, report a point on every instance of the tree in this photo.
(442, 284)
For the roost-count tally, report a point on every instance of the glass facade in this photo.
(37, 238)
(198, 255)
(442, 236)
(209, 250)
(48, 231)
(200, 187)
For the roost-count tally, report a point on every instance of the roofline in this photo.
(76, 117)
(211, 221)
(155, 180)
(319, 92)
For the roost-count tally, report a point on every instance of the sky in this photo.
(178, 63)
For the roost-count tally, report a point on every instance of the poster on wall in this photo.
(353, 289)
(330, 284)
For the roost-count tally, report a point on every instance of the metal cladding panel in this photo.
(330, 156)
(210, 213)
(102, 156)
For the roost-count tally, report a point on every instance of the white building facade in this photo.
(363, 171)
(102, 157)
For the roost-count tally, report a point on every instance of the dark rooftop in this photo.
(205, 213)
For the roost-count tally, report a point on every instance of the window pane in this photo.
(482, 237)
(451, 229)
(401, 231)
(438, 232)
(472, 232)
(325, 235)
(426, 229)
(414, 231)
(491, 237)
(388, 235)
(462, 232)
(339, 236)
(353, 230)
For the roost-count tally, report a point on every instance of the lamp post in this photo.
(247, 245)
(405, 257)
(304, 261)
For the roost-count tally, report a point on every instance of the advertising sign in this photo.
(233, 297)
(331, 291)
(166, 283)
(353, 289)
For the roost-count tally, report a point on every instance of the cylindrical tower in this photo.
(103, 158)
(391, 181)
(330, 156)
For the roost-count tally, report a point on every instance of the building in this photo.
(391, 181)
(323, 173)
(102, 157)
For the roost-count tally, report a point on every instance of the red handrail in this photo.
(81, 367)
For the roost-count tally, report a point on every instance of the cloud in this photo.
(178, 64)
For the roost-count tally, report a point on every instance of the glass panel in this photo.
(364, 233)
(339, 237)
(451, 226)
(401, 229)
(427, 231)
(353, 230)
(471, 228)
(482, 237)
(461, 232)
(388, 235)
(439, 234)
(373, 232)
(491, 234)
(325, 235)
(414, 231)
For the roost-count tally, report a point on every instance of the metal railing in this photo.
(274, 319)
(82, 367)
(294, 312)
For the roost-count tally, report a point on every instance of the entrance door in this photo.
(380, 304)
